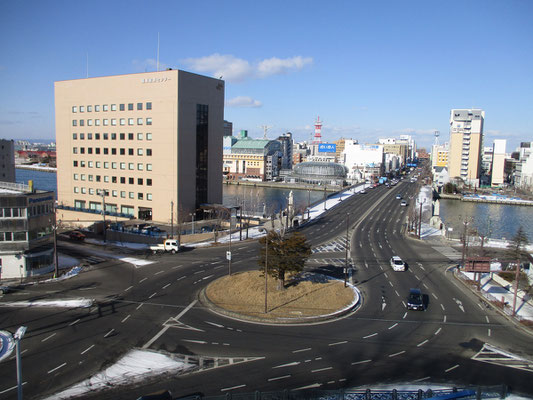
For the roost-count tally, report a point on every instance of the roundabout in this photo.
(307, 298)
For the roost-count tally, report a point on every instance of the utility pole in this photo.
(420, 221)
(56, 261)
(171, 219)
(465, 223)
(103, 194)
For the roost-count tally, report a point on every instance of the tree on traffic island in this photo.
(285, 254)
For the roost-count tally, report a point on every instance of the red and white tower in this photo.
(318, 131)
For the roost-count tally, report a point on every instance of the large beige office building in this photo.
(466, 144)
(147, 141)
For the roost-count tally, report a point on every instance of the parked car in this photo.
(77, 235)
(397, 264)
(415, 301)
(5, 289)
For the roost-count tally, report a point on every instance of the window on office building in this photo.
(149, 152)
(106, 122)
(106, 179)
(139, 181)
(148, 182)
(106, 164)
(148, 167)
(130, 121)
(114, 193)
(74, 122)
(139, 152)
(130, 106)
(123, 194)
(149, 196)
(106, 136)
(139, 136)
(122, 179)
(130, 136)
(122, 165)
(74, 136)
(96, 136)
(113, 151)
(139, 106)
(149, 105)
(105, 107)
(122, 152)
(74, 109)
(113, 121)
(122, 121)
(139, 166)
(82, 108)
(139, 196)
(131, 181)
(131, 195)
(113, 107)
(122, 107)
(97, 108)
(89, 108)
(148, 136)
(97, 122)
(131, 166)
(139, 121)
(113, 165)
(130, 152)
(148, 121)
(89, 136)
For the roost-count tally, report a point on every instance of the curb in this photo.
(287, 321)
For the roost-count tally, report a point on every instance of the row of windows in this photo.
(121, 151)
(105, 122)
(112, 179)
(113, 165)
(106, 107)
(12, 212)
(113, 136)
(114, 193)
(20, 212)
(13, 236)
(108, 207)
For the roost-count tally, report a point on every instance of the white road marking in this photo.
(361, 362)
(337, 343)
(321, 369)
(160, 272)
(396, 354)
(142, 280)
(422, 343)
(393, 326)
(162, 331)
(452, 368)
(152, 295)
(390, 283)
(199, 272)
(231, 388)
(444, 320)
(177, 266)
(369, 336)
(489, 332)
(74, 322)
(125, 319)
(441, 306)
(301, 350)
(292, 364)
(87, 349)
(279, 377)
(52, 335)
(433, 294)
(139, 306)
(214, 324)
(109, 333)
(437, 331)
(487, 319)
(397, 294)
(405, 315)
(425, 286)
(12, 388)
(128, 288)
(56, 368)
(167, 285)
(422, 379)
(312, 386)
(180, 278)
(194, 341)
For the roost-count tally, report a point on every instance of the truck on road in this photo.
(169, 245)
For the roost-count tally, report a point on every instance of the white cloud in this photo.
(233, 69)
(276, 66)
(243, 101)
(228, 67)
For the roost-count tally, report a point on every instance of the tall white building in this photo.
(466, 141)
(363, 160)
(524, 167)
(498, 162)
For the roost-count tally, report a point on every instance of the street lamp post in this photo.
(420, 220)
(103, 193)
(18, 336)
(192, 216)
(346, 253)
(266, 269)
(308, 201)
(56, 260)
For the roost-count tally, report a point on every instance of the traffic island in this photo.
(306, 298)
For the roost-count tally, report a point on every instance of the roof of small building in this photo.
(250, 144)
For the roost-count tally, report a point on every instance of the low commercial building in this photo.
(26, 231)
(364, 161)
(251, 159)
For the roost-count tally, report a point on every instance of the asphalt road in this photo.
(155, 306)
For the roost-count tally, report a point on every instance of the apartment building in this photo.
(7, 160)
(466, 144)
(144, 146)
(26, 230)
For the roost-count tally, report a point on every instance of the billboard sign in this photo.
(327, 148)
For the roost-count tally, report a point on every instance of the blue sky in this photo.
(369, 68)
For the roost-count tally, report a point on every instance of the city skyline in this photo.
(368, 70)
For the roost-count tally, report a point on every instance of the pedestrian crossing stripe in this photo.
(493, 355)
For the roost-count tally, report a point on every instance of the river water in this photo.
(497, 220)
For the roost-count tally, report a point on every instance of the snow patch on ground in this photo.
(135, 366)
(66, 303)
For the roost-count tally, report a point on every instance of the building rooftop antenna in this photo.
(437, 134)
(265, 129)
